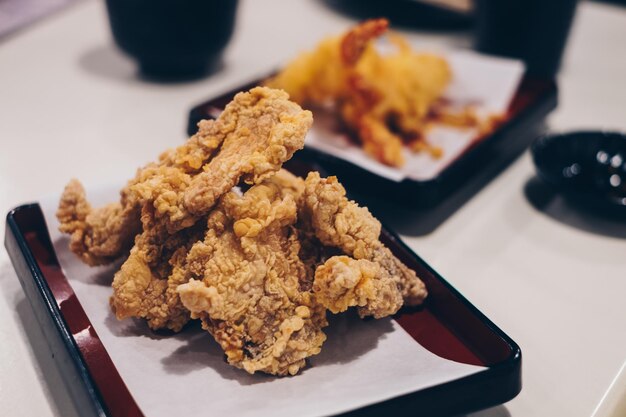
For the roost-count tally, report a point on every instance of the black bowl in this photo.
(589, 167)
(172, 39)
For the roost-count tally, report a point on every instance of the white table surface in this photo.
(71, 106)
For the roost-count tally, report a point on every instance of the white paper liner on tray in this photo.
(361, 363)
(487, 82)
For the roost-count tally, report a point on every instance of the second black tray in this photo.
(533, 100)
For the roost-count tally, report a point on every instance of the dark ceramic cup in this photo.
(534, 31)
(173, 38)
(589, 166)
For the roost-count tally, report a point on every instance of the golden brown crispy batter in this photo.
(97, 236)
(384, 98)
(245, 283)
(141, 288)
(412, 288)
(357, 39)
(378, 140)
(341, 223)
(256, 133)
(145, 286)
(343, 282)
(337, 221)
(268, 129)
(257, 267)
(101, 235)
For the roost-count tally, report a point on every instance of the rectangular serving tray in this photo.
(448, 325)
(533, 100)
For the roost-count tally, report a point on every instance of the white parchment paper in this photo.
(361, 363)
(489, 83)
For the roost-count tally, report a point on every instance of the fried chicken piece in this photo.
(343, 224)
(244, 283)
(256, 133)
(383, 98)
(97, 236)
(145, 286)
(269, 129)
(101, 235)
(343, 282)
(258, 267)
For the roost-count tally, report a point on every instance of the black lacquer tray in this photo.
(447, 325)
(533, 100)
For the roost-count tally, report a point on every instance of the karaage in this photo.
(245, 283)
(223, 234)
(254, 135)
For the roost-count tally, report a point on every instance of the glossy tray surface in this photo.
(533, 100)
(447, 325)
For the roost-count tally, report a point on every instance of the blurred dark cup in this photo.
(173, 38)
(534, 31)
